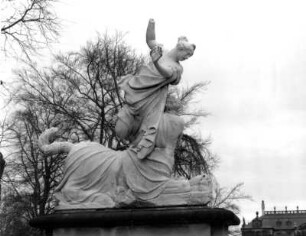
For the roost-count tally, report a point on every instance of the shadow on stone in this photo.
(174, 220)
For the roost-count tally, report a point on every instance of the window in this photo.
(288, 223)
(278, 223)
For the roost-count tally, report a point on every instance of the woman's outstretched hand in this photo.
(156, 53)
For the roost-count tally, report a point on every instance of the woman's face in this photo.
(184, 54)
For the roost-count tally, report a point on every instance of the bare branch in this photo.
(31, 27)
(229, 198)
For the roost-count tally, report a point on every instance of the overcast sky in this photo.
(254, 54)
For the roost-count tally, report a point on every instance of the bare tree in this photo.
(28, 171)
(13, 217)
(193, 157)
(229, 198)
(30, 177)
(82, 87)
(28, 25)
(192, 154)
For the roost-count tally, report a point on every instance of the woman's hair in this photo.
(182, 44)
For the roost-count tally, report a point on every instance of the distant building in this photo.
(276, 223)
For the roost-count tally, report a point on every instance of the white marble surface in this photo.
(98, 177)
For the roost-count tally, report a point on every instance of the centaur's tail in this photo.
(52, 148)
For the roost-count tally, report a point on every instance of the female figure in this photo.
(146, 93)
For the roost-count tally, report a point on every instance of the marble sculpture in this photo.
(98, 177)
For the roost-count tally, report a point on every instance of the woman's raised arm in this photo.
(150, 35)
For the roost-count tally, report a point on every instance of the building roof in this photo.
(282, 220)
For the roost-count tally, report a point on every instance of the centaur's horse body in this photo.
(98, 177)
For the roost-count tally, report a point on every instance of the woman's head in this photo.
(184, 48)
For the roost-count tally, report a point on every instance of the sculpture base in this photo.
(175, 230)
(175, 220)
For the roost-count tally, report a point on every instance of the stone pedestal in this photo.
(175, 220)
